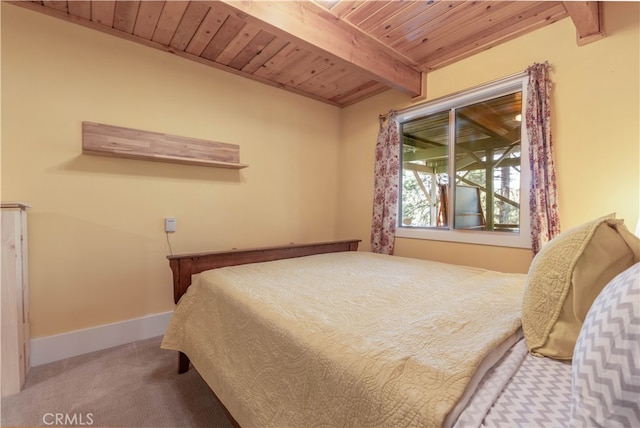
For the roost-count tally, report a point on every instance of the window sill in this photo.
(500, 239)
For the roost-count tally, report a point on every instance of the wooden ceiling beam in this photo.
(587, 18)
(318, 30)
(153, 44)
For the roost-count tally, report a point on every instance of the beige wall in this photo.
(97, 246)
(596, 131)
(97, 241)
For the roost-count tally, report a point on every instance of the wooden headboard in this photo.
(186, 265)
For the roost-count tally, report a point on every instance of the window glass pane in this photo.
(461, 177)
(425, 167)
(487, 165)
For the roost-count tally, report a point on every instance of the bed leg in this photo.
(183, 363)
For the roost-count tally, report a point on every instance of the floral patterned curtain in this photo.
(385, 193)
(543, 200)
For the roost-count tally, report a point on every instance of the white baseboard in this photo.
(60, 346)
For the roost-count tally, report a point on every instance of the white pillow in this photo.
(606, 360)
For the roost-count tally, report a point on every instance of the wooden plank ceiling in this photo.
(338, 51)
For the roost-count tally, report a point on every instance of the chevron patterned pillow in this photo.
(606, 360)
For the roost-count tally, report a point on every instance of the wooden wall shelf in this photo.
(115, 141)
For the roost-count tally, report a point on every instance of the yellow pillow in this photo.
(566, 276)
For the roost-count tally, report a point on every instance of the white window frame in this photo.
(521, 239)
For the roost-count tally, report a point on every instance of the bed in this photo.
(325, 335)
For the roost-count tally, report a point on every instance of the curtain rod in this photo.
(383, 116)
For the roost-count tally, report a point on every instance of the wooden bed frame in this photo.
(186, 265)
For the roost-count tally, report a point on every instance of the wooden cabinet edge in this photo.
(15, 298)
(14, 205)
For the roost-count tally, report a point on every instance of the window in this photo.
(465, 171)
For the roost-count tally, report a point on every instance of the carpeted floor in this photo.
(133, 385)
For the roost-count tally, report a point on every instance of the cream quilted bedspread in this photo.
(344, 339)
